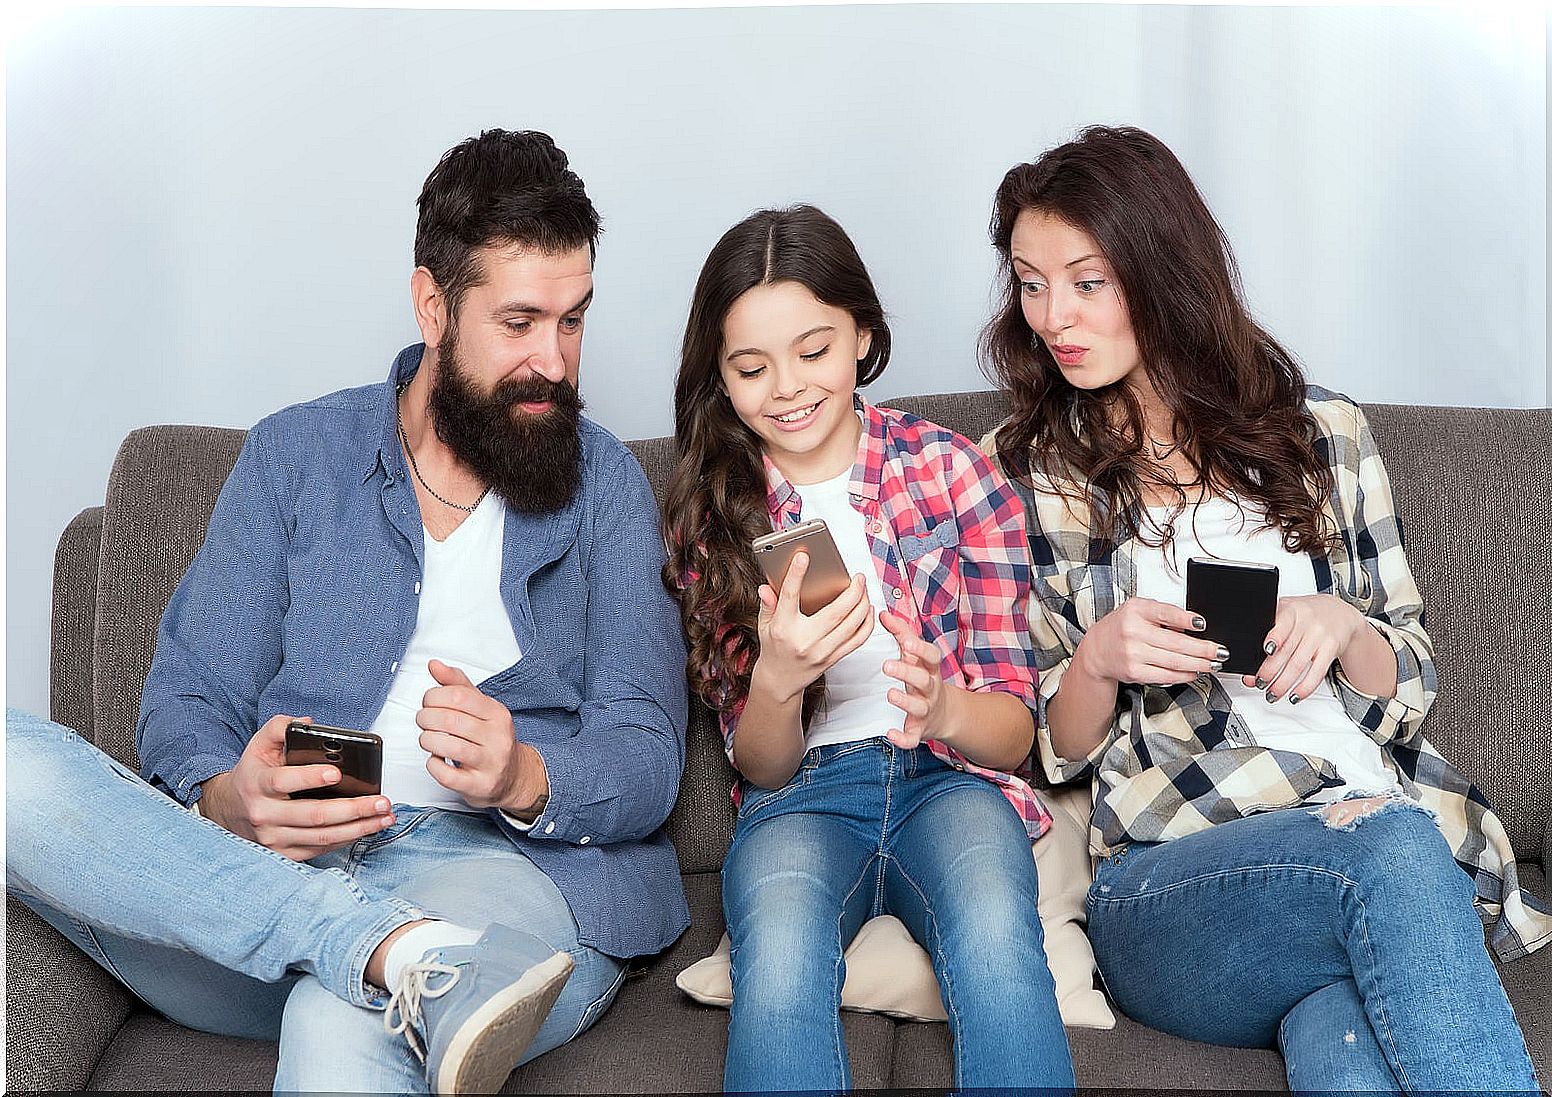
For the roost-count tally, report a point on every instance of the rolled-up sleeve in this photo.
(1394, 606)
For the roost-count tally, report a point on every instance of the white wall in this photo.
(210, 211)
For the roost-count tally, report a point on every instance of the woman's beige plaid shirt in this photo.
(1179, 759)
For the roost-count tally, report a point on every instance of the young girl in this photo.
(1271, 873)
(877, 738)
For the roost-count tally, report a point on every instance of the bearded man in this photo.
(457, 561)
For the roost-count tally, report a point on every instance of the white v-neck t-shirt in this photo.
(1319, 726)
(461, 621)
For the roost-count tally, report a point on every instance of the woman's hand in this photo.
(1144, 641)
(920, 670)
(1312, 631)
(795, 649)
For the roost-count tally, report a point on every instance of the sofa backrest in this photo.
(1473, 487)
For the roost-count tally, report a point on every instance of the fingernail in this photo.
(1270, 647)
(1294, 699)
(1260, 683)
(1217, 665)
(1223, 654)
(330, 776)
(1271, 698)
(1198, 623)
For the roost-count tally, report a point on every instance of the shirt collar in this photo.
(389, 455)
(866, 473)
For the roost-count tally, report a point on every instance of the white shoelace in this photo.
(415, 985)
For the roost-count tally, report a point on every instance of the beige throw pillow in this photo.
(888, 972)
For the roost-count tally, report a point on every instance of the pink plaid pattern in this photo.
(948, 538)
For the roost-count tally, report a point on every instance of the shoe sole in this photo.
(493, 1038)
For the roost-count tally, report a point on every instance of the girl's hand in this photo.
(920, 670)
(795, 649)
(1312, 632)
(1144, 641)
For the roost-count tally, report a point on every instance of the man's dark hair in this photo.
(502, 187)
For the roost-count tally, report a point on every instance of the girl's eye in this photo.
(751, 372)
(815, 355)
(1030, 289)
(1090, 285)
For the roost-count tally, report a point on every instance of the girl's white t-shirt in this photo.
(463, 622)
(1224, 528)
(856, 703)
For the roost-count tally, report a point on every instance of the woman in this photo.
(877, 762)
(1269, 874)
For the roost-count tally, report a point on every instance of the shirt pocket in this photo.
(929, 557)
(1068, 594)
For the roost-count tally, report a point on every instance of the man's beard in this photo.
(533, 461)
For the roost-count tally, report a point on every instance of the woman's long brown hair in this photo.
(716, 503)
(1236, 395)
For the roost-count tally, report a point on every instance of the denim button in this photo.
(417, 586)
(395, 668)
(584, 840)
(550, 828)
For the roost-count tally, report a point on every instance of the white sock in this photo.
(410, 948)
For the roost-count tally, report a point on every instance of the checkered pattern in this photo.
(1179, 759)
(948, 539)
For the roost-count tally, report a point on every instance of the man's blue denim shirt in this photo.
(303, 597)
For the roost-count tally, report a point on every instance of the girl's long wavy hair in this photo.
(716, 503)
(1236, 395)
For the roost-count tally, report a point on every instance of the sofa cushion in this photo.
(161, 491)
(1474, 490)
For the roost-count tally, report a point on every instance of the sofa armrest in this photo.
(76, 561)
(1546, 853)
(61, 1009)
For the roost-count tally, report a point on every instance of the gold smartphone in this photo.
(826, 577)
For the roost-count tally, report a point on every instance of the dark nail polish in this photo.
(1271, 698)
(1293, 700)
(1223, 654)
(1260, 683)
(1270, 647)
(1198, 623)
(1216, 665)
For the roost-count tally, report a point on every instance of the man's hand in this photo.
(461, 725)
(252, 801)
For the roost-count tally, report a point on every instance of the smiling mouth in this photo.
(797, 415)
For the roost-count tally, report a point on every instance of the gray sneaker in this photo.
(470, 1011)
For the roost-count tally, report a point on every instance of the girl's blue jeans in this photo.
(864, 829)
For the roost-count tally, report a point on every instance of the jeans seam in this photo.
(595, 1007)
(1374, 967)
(945, 979)
(1243, 870)
(840, 958)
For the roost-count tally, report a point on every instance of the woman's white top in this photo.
(1318, 726)
(856, 688)
(463, 622)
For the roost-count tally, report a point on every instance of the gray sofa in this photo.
(1475, 492)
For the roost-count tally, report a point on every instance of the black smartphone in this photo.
(1239, 603)
(826, 578)
(358, 755)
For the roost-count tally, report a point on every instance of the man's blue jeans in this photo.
(1356, 951)
(864, 829)
(226, 936)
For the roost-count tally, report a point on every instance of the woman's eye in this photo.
(815, 355)
(1029, 289)
(1090, 285)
